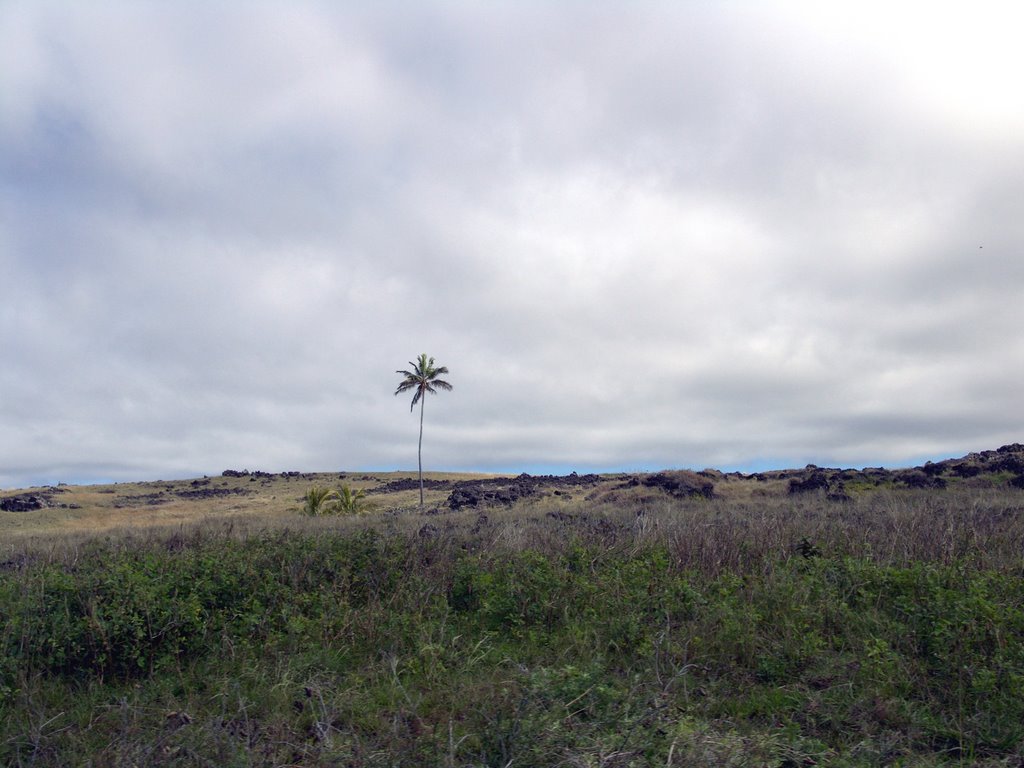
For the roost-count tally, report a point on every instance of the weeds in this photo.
(706, 632)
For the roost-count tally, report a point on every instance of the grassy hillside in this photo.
(250, 500)
(582, 621)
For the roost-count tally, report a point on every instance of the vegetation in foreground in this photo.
(692, 632)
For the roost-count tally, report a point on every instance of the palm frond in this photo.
(422, 378)
(347, 501)
(316, 500)
(407, 385)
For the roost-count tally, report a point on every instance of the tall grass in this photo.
(786, 631)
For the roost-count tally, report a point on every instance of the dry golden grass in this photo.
(757, 510)
(248, 501)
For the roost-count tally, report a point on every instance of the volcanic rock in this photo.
(26, 502)
(816, 481)
(680, 484)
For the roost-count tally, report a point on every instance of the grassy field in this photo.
(604, 621)
(250, 502)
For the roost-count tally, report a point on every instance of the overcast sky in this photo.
(639, 234)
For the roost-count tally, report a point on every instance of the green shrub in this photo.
(314, 649)
(348, 502)
(317, 500)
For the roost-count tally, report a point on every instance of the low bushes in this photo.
(367, 649)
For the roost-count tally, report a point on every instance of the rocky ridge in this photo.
(1003, 467)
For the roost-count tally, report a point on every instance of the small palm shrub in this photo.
(317, 500)
(327, 501)
(347, 501)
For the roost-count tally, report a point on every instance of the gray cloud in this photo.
(640, 236)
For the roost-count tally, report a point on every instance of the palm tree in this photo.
(423, 378)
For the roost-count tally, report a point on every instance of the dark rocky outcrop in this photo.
(473, 494)
(501, 491)
(831, 482)
(201, 491)
(143, 500)
(1009, 463)
(816, 481)
(679, 484)
(838, 494)
(965, 470)
(486, 493)
(918, 478)
(210, 493)
(29, 502)
(411, 484)
(932, 475)
(26, 502)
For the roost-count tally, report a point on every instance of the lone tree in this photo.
(423, 378)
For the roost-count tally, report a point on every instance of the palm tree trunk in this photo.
(420, 452)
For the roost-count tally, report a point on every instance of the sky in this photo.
(640, 235)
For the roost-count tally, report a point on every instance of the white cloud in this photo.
(639, 236)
